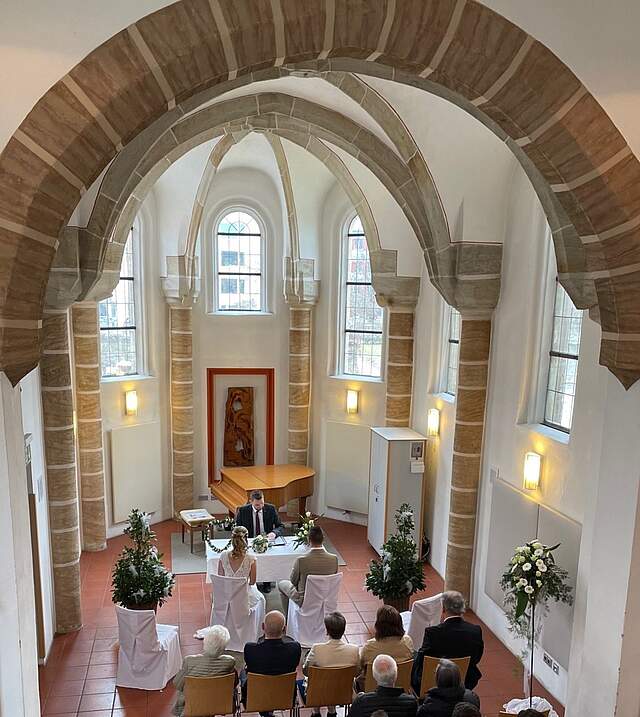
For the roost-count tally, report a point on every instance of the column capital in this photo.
(300, 286)
(181, 285)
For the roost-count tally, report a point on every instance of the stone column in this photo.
(475, 339)
(181, 377)
(60, 458)
(86, 355)
(300, 324)
(399, 373)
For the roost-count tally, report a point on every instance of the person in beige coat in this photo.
(316, 562)
(332, 653)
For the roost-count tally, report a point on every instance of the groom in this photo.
(258, 518)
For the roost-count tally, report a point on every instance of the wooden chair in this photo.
(510, 714)
(429, 667)
(207, 696)
(330, 686)
(404, 677)
(267, 693)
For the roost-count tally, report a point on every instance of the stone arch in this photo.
(460, 49)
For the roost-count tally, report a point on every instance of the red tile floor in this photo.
(79, 677)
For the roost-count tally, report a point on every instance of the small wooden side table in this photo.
(197, 519)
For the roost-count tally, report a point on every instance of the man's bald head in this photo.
(273, 625)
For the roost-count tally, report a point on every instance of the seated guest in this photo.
(387, 697)
(332, 653)
(530, 713)
(235, 563)
(466, 709)
(389, 639)
(315, 562)
(271, 656)
(449, 690)
(211, 663)
(453, 637)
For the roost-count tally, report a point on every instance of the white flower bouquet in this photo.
(260, 544)
(308, 522)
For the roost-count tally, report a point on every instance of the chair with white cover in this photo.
(424, 613)
(149, 654)
(231, 609)
(305, 623)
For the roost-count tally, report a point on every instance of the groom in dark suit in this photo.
(259, 518)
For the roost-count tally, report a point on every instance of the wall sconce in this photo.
(352, 400)
(131, 403)
(532, 463)
(433, 423)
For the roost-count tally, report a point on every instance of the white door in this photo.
(377, 491)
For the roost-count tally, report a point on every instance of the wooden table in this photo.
(279, 484)
(195, 519)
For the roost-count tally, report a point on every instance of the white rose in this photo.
(539, 552)
(520, 559)
(526, 567)
(539, 583)
(543, 568)
(539, 564)
(528, 590)
(538, 573)
(522, 582)
(308, 514)
(537, 545)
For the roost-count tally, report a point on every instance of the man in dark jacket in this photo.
(448, 692)
(387, 697)
(453, 637)
(271, 656)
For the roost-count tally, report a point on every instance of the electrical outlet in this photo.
(547, 660)
(556, 668)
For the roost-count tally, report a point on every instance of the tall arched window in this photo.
(362, 320)
(239, 264)
(120, 317)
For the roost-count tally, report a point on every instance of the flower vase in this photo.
(143, 606)
(401, 604)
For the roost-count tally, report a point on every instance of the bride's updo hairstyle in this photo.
(239, 541)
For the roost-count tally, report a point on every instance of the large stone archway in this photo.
(581, 164)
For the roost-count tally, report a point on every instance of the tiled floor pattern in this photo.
(79, 677)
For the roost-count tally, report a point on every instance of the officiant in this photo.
(260, 518)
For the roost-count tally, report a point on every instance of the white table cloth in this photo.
(274, 565)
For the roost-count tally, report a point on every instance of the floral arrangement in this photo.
(139, 578)
(227, 523)
(529, 581)
(302, 536)
(399, 572)
(260, 544)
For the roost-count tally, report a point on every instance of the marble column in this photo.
(180, 339)
(86, 355)
(399, 374)
(300, 325)
(60, 458)
(475, 340)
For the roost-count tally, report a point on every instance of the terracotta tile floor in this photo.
(79, 677)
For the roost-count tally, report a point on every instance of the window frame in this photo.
(213, 263)
(446, 353)
(550, 354)
(342, 310)
(138, 304)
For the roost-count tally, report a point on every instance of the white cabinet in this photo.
(396, 476)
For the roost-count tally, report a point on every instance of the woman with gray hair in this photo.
(211, 663)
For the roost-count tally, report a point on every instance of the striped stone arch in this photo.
(586, 175)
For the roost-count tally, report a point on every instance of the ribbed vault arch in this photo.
(584, 171)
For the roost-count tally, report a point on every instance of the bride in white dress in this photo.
(235, 563)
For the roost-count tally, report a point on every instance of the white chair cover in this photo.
(306, 624)
(424, 613)
(231, 609)
(149, 654)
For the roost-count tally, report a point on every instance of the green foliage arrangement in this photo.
(399, 572)
(139, 577)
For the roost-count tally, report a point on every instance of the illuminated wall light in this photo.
(352, 400)
(131, 403)
(433, 423)
(532, 465)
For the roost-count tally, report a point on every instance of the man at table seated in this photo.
(453, 637)
(316, 562)
(272, 655)
(259, 517)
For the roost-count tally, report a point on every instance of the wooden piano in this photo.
(279, 485)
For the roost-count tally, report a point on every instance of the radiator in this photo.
(347, 466)
(136, 469)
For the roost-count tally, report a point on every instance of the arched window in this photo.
(362, 320)
(563, 362)
(120, 316)
(453, 352)
(239, 264)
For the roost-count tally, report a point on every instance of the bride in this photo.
(235, 563)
